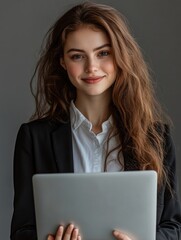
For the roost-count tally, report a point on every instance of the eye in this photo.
(104, 53)
(77, 57)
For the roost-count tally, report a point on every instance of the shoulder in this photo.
(43, 124)
(41, 127)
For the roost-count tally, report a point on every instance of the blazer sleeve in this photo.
(23, 224)
(169, 225)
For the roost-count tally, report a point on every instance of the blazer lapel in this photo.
(62, 146)
(130, 164)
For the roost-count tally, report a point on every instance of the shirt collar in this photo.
(77, 118)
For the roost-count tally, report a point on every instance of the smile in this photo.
(91, 80)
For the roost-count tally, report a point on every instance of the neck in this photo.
(96, 110)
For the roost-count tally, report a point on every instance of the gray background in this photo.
(23, 24)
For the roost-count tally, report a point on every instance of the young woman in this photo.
(94, 98)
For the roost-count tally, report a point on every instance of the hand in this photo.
(120, 236)
(70, 233)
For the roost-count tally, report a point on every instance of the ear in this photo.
(62, 63)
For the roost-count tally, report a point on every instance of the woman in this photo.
(94, 98)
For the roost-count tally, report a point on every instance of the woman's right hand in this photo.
(68, 233)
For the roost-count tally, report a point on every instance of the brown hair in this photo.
(136, 113)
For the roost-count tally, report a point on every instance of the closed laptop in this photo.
(97, 203)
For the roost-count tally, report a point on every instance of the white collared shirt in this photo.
(89, 149)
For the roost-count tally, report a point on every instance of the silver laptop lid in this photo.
(97, 203)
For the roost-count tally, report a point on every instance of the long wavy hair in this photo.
(135, 110)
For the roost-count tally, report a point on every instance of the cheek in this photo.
(73, 70)
(110, 68)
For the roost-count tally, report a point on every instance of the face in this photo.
(89, 62)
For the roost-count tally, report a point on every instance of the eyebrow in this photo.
(95, 49)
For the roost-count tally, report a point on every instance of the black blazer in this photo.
(43, 146)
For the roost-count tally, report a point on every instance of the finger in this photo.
(75, 234)
(79, 237)
(120, 236)
(59, 233)
(68, 232)
(50, 237)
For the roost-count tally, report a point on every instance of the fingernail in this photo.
(115, 233)
(49, 237)
(71, 225)
(61, 228)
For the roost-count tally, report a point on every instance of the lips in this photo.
(93, 79)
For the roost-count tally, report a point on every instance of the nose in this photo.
(91, 65)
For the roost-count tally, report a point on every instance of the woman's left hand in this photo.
(121, 236)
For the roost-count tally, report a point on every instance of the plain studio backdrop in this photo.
(23, 24)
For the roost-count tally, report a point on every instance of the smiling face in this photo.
(88, 60)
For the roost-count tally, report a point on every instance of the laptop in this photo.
(97, 203)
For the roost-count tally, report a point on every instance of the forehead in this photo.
(86, 38)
